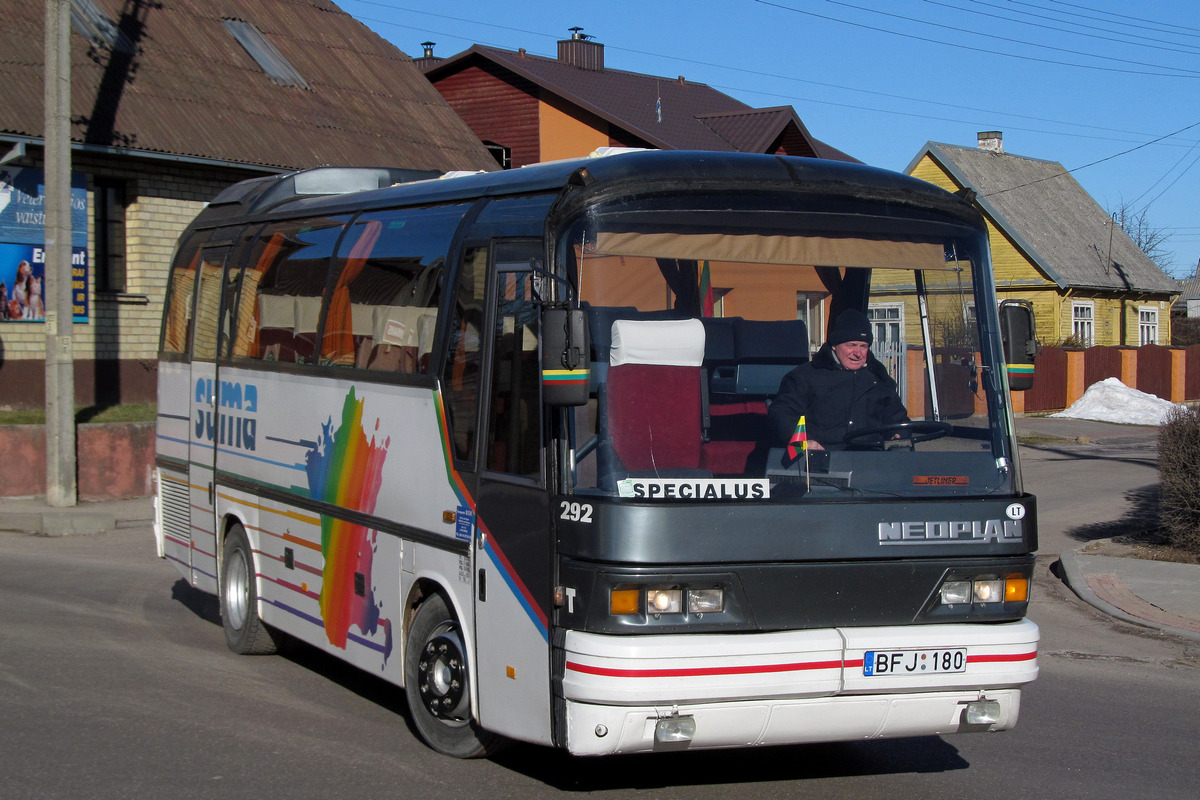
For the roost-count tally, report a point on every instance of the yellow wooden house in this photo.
(1053, 245)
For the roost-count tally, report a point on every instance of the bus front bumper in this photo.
(639, 694)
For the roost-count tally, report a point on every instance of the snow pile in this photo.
(1112, 401)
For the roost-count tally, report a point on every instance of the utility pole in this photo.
(61, 490)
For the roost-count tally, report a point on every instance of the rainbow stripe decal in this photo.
(346, 469)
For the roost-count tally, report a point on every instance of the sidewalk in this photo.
(34, 515)
(1157, 594)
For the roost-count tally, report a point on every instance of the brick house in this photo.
(171, 103)
(1053, 244)
(529, 108)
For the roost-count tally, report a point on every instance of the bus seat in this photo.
(653, 397)
(735, 416)
(601, 319)
(766, 350)
(393, 337)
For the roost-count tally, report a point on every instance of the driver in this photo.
(843, 389)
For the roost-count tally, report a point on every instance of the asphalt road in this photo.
(115, 682)
(1091, 491)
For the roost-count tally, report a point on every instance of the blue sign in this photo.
(22, 245)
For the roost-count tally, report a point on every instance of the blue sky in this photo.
(1108, 88)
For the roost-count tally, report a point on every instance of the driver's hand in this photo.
(813, 444)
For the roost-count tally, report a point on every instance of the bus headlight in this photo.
(704, 601)
(989, 591)
(954, 592)
(664, 601)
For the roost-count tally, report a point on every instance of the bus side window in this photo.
(383, 311)
(279, 304)
(514, 414)
(461, 378)
(208, 300)
(177, 322)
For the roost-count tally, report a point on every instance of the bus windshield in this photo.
(714, 372)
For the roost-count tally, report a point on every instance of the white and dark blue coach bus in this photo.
(500, 439)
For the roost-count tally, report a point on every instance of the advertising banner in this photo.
(22, 246)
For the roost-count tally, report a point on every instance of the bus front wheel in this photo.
(436, 684)
(245, 633)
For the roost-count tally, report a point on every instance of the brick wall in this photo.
(121, 336)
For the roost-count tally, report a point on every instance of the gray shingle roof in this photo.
(1052, 219)
(191, 90)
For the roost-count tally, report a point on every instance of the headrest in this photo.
(675, 342)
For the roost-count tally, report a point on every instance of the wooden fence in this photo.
(1063, 374)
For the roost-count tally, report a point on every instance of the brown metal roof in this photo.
(691, 113)
(191, 90)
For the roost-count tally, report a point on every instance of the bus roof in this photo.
(343, 190)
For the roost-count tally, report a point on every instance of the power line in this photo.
(1120, 16)
(1126, 41)
(1097, 161)
(1193, 73)
(776, 76)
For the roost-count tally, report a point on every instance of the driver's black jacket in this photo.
(834, 400)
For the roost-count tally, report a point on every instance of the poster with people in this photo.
(22, 249)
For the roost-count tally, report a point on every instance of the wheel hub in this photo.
(442, 677)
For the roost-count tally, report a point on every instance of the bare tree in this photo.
(1151, 239)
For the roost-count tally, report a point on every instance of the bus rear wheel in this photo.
(245, 632)
(437, 687)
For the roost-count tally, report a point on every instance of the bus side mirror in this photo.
(1020, 342)
(566, 365)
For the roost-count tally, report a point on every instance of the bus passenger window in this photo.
(282, 288)
(383, 310)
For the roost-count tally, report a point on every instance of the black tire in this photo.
(245, 633)
(436, 683)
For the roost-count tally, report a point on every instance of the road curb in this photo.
(1076, 580)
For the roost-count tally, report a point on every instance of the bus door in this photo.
(203, 423)
(513, 538)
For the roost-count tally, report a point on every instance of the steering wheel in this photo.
(916, 430)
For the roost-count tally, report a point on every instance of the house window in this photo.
(1083, 322)
(502, 154)
(810, 307)
(1147, 325)
(264, 53)
(110, 201)
(887, 327)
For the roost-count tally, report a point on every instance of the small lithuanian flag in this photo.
(799, 440)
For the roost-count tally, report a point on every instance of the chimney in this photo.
(580, 51)
(991, 140)
(429, 60)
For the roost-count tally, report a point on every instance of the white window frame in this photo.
(890, 350)
(810, 307)
(1083, 321)
(1147, 325)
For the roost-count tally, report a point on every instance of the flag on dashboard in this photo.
(799, 440)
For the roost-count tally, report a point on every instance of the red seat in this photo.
(654, 394)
